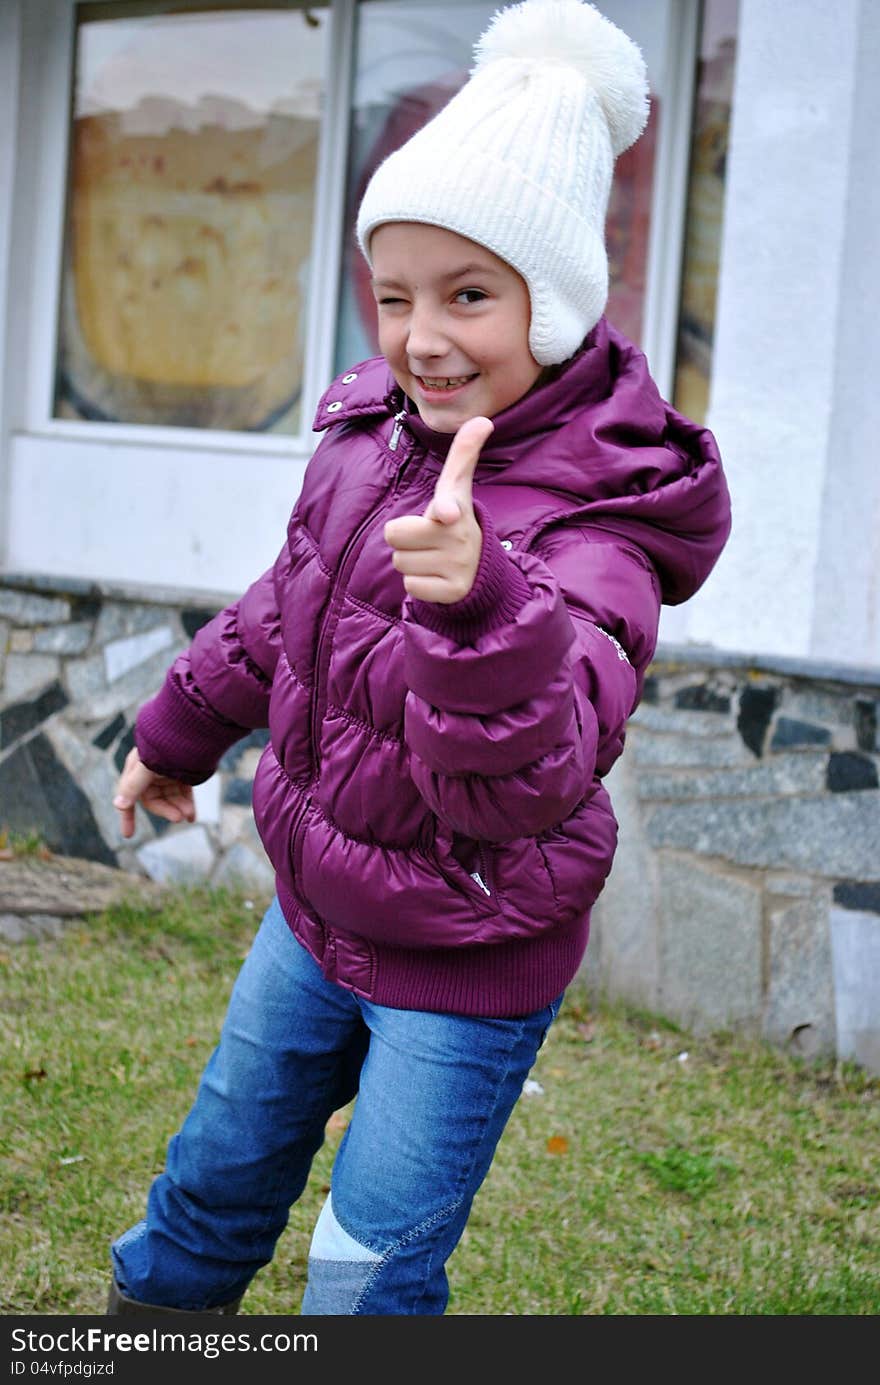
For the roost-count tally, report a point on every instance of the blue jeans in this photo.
(434, 1093)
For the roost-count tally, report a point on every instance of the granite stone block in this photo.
(243, 866)
(685, 752)
(28, 673)
(123, 655)
(107, 735)
(814, 704)
(255, 740)
(782, 775)
(865, 717)
(702, 697)
(621, 959)
(40, 795)
(85, 677)
(674, 721)
(849, 771)
(240, 791)
(74, 638)
(124, 746)
(710, 946)
(787, 733)
(777, 883)
(184, 855)
(119, 619)
(835, 835)
(855, 944)
(22, 717)
(756, 707)
(207, 800)
(192, 620)
(28, 608)
(128, 692)
(858, 894)
(799, 1007)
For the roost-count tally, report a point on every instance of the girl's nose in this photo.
(425, 340)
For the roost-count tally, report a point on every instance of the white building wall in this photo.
(793, 404)
(846, 612)
(9, 63)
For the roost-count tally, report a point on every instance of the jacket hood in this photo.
(597, 436)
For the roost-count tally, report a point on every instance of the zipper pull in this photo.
(475, 875)
(395, 432)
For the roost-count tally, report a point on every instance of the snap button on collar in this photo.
(347, 379)
(334, 407)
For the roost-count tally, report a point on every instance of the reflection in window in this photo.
(705, 207)
(411, 58)
(191, 193)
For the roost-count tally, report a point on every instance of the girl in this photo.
(446, 653)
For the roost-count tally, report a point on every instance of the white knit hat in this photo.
(521, 159)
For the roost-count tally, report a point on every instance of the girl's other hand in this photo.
(166, 798)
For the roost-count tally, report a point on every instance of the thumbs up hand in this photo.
(438, 552)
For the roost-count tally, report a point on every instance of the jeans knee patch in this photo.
(330, 1241)
(339, 1267)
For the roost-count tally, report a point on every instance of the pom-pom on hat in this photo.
(521, 159)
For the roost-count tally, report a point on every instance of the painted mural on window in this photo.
(411, 58)
(193, 162)
(705, 207)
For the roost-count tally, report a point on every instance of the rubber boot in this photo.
(119, 1304)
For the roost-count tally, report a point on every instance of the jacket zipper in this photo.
(351, 548)
(395, 432)
(344, 565)
(481, 876)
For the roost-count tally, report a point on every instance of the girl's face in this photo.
(453, 323)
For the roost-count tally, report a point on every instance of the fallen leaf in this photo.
(587, 1031)
(190, 1041)
(557, 1144)
(652, 1041)
(35, 1075)
(337, 1122)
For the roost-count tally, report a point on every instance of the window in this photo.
(411, 56)
(191, 198)
(705, 207)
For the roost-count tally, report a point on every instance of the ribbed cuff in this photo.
(175, 738)
(498, 595)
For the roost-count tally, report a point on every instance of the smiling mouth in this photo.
(445, 382)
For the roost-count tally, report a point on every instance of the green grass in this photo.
(732, 1181)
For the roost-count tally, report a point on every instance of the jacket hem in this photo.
(489, 980)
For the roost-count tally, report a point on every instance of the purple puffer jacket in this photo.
(431, 797)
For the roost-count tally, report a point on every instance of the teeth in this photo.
(447, 383)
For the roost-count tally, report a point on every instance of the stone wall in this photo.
(745, 894)
(746, 889)
(76, 662)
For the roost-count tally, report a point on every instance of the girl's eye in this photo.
(388, 302)
(470, 296)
